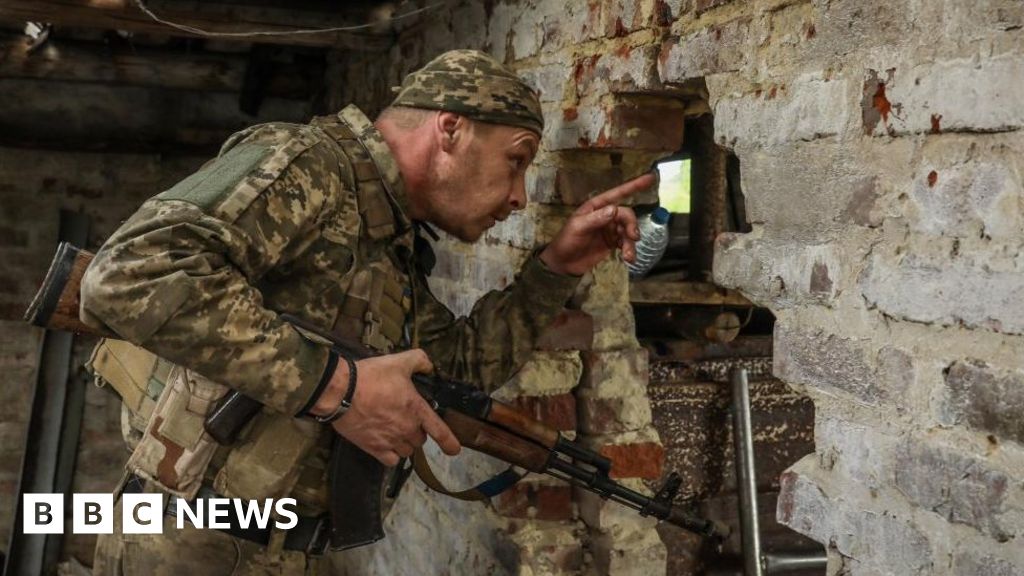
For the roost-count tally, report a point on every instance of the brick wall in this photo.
(880, 150)
(881, 163)
(34, 187)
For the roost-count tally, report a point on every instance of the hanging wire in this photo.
(750, 316)
(201, 32)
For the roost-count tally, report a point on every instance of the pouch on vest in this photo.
(175, 449)
(375, 307)
(138, 376)
(265, 464)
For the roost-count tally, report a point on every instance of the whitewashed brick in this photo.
(883, 544)
(803, 504)
(549, 80)
(826, 361)
(967, 187)
(974, 290)
(713, 50)
(960, 487)
(780, 273)
(973, 94)
(809, 107)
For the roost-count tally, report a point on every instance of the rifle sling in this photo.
(482, 491)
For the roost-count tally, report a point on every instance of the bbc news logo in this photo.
(144, 513)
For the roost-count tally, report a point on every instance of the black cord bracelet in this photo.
(346, 402)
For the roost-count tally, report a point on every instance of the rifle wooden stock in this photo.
(493, 441)
(56, 304)
(506, 416)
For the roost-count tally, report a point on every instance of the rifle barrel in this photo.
(600, 484)
(577, 452)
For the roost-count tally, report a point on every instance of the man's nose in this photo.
(518, 198)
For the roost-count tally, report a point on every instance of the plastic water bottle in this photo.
(653, 241)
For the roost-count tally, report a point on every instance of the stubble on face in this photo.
(448, 184)
(472, 190)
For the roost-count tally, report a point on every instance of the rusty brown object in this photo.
(494, 441)
(55, 306)
(724, 327)
(710, 187)
(508, 417)
(678, 350)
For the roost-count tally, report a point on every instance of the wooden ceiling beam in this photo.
(126, 15)
(97, 117)
(93, 63)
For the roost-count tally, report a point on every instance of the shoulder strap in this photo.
(482, 491)
(374, 206)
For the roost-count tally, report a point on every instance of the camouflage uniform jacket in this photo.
(310, 220)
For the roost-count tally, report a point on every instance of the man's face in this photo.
(480, 180)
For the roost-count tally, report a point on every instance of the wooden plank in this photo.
(676, 350)
(703, 293)
(126, 15)
(96, 117)
(709, 195)
(88, 62)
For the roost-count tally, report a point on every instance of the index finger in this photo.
(619, 193)
(439, 431)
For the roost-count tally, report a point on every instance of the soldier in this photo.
(321, 221)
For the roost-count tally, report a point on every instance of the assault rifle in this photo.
(477, 420)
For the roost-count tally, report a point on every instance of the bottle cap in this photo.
(660, 215)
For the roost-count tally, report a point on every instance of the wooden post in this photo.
(708, 204)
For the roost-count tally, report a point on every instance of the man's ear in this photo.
(449, 127)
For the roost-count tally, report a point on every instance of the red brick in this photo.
(635, 124)
(957, 485)
(642, 124)
(536, 501)
(575, 185)
(804, 507)
(638, 460)
(557, 411)
(603, 415)
(985, 398)
(600, 415)
(570, 330)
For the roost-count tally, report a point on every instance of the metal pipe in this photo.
(781, 562)
(746, 478)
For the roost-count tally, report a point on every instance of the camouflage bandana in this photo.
(473, 84)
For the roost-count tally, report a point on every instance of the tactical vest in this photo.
(164, 405)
